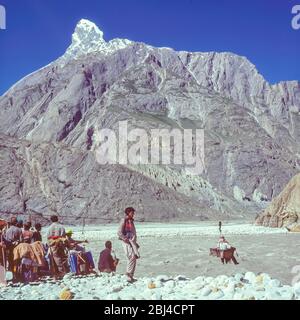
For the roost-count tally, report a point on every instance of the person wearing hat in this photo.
(74, 244)
(127, 233)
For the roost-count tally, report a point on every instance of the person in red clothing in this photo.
(127, 233)
(107, 260)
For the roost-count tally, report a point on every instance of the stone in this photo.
(206, 291)
(250, 276)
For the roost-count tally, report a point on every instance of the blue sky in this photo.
(39, 31)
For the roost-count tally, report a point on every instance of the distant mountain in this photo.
(251, 128)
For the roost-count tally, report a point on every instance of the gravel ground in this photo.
(175, 264)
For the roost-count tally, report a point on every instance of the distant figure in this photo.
(224, 245)
(107, 260)
(56, 229)
(27, 234)
(37, 236)
(127, 234)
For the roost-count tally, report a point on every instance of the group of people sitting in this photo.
(24, 255)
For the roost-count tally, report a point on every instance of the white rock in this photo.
(216, 295)
(271, 295)
(238, 277)
(206, 291)
(286, 292)
(274, 283)
(117, 288)
(170, 284)
(250, 276)
(156, 296)
(296, 288)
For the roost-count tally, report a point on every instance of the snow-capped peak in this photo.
(88, 38)
(87, 33)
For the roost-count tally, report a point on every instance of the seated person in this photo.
(74, 244)
(107, 259)
(224, 245)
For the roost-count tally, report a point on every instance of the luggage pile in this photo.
(81, 262)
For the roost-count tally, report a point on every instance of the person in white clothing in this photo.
(224, 245)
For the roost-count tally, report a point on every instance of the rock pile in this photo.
(248, 286)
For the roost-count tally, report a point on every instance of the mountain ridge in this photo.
(251, 127)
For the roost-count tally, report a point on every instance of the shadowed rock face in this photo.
(45, 178)
(251, 127)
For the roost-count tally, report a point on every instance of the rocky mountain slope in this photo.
(284, 210)
(251, 127)
(45, 178)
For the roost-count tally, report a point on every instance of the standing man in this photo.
(56, 230)
(13, 237)
(56, 239)
(127, 234)
(37, 236)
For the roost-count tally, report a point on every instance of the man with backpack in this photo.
(127, 233)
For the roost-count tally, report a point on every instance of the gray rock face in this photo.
(251, 128)
(45, 178)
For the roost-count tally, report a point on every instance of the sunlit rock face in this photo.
(284, 210)
(251, 128)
